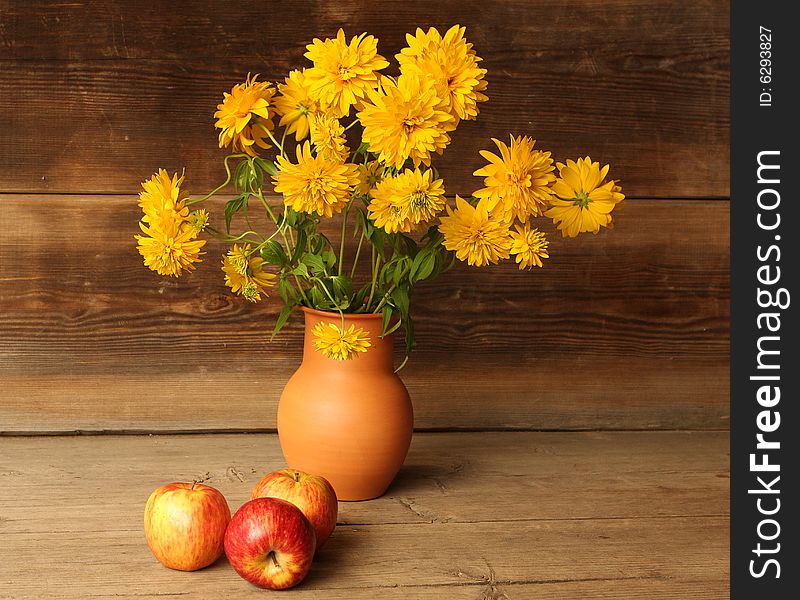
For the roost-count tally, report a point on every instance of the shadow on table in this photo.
(415, 478)
(344, 547)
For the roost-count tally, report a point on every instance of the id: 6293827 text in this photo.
(765, 65)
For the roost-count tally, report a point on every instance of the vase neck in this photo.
(379, 355)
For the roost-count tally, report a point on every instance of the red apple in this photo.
(185, 523)
(270, 543)
(312, 494)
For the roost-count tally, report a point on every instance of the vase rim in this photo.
(333, 314)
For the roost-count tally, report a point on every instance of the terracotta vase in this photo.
(349, 421)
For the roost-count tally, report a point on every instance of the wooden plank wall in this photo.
(625, 330)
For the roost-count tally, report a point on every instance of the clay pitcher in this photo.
(349, 421)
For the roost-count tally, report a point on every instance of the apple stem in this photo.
(194, 483)
(274, 558)
(297, 477)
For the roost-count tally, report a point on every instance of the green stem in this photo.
(302, 292)
(388, 293)
(278, 229)
(328, 294)
(402, 364)
(218, 188)
(283, 143)
(267, 207)
(358, 253)
(375, 267)
(341, 242)
(230, 238)
(274, 141)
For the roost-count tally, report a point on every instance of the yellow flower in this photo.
(407, 201)
(198, 219)
(171, 249)
(452, 63)
(343, 72)
(245, 116)
(244, 273)
(406, 120)
(340, 344)
(529, 246)
(475, 235)
(369, 175)
(294, 105)
(163, 201)
(327, 135)
(169, 245)
(315, 184)
(517, 182)
(583, 200)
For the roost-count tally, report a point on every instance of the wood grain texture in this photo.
(627, 329)
(94, 96)
(479, 515)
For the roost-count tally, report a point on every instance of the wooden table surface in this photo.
(471, 515)
(627, 330)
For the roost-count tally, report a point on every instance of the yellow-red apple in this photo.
(312, 494)
(270, 543)
(184, 524)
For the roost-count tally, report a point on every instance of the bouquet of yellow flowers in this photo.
(363, 146)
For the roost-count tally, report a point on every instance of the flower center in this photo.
(420, 200)
(241, 264)
(250, 290)
(198, 220)
(316, 183)
(518, 179)
(411, 123)
(345, 73)
(582, 199)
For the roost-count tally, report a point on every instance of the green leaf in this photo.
(286, 291)
(300, 270)
(434, 236)
(257, 179)
(241, 176)
(314, 262)
(318, 298)
(377, 237)
(401, 300)
(410, 245)
(317, 244)
(302, 236)
(388, 329)
(282, 318)
(367, 224)
(363, 148)
(329, 258)
(385, 274)
(292, 216)
(272, 252)
(342, 287)
(401, 269)
(386, 311)
(233, 206)
(397, 274)
(267, 166)
(410, 341)
(422, 267)
(358, 299)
